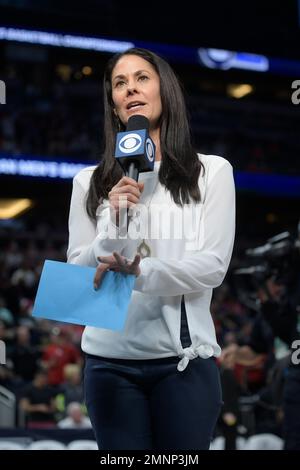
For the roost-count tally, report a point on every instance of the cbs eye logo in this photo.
(130, 143)
(150, 150)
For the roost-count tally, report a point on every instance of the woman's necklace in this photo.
(144, 249)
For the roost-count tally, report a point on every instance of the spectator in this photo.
(72, 387)
(24, 355)
(38, 402)
(57, 354)
(75, 419)
(5, 314)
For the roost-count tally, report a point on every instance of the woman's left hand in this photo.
(117, 263)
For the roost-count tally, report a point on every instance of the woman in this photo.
(155, 385)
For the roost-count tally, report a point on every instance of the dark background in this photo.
(266, 27)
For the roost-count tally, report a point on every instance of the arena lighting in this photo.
(11, 208)
(87, 70)
(239, 90)
(269, 184)
(225, 60)
(212, 58)
(205, 57)
(63, 40)
(39, 168)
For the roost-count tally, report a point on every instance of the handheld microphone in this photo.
(135, 151)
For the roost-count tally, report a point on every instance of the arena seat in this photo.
(218, 443)
(264, 442)
(9, 445)
(46, 444)
(82, 444)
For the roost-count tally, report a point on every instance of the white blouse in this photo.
(191, 248)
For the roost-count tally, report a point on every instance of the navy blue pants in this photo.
(149, 405)
(291, 408)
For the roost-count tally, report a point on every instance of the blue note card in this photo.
(66, 293)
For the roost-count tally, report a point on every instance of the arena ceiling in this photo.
(271, 28)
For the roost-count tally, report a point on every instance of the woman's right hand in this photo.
(125, 194)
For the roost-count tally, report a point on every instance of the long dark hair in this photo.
(180, 166)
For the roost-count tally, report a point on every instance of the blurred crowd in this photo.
(44, 360)
(52, 123)
(59, 118)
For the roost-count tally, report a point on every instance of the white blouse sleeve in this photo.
(86, 241)
(205, 268)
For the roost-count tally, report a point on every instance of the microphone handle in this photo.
(132, 172)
